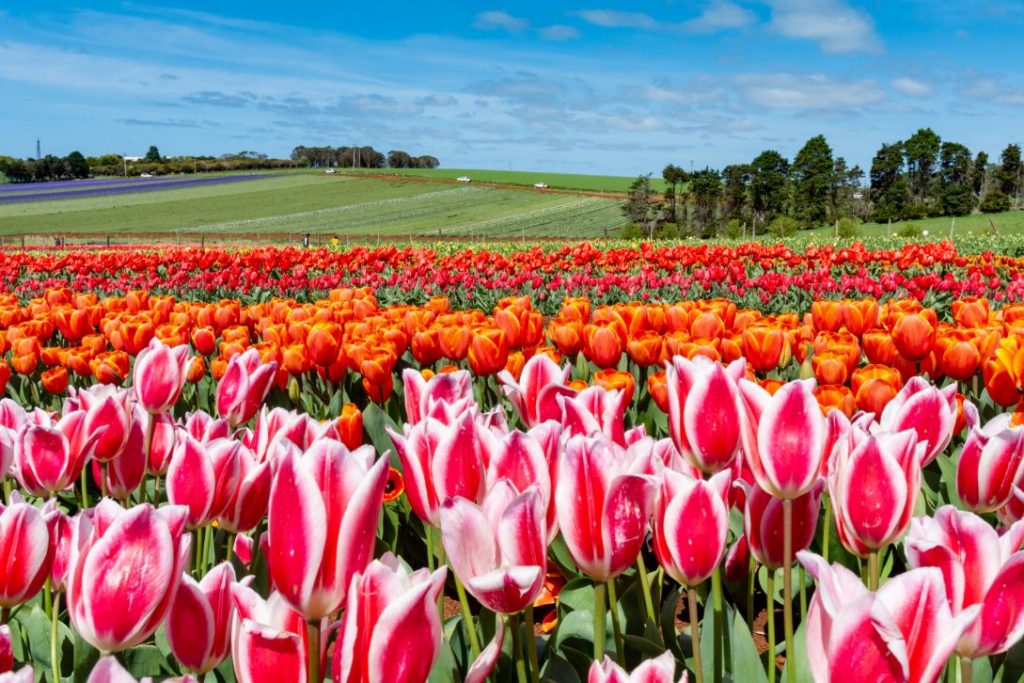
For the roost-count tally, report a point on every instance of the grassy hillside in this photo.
(558, 181)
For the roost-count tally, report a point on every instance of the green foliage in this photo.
(812, 175)
(889, 189)
(667, 231)
(909, 230)
(849, 228)
(783, 226)
(153, 155)
(632, 231)
(994, 201)
(769, 173)
(734, 229)
(1010, 171)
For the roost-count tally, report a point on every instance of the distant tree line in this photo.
(922, 176)
(359, 157)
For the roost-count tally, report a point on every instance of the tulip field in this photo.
(519, 463)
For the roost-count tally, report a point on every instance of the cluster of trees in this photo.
(922, 176)
(359, 157)
(50, 167)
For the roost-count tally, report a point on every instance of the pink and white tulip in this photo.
(204, 478)
(109, 416)
(422, 396)
(691, 525)
(268, 639)
(535, 396)
(247, 505)
(199, 621)
(159, 375)
(530, 459)
(26, 551)
(704, 410)
(764, 529)
(660, 669)
(244, 386)
(928, 410)
(49, 457)
(595, 409)
(991, 464)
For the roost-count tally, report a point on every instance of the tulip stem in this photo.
(720, 643)
(787, 585)
(873, 571)
(691, 603)
(770, 609)
(8, 485)
(85, 489)
(156, 491)
(642, 576)
(314, 651)
(827, 531)
(47, 598)
(230, 551)
(517, 647)
(54, 662)
(803, 594)
(966, 670)
(599, 609)
(467, 617)
(103, 480)
(147, 444)
(5, 615)
(751, 578)
(429, 540)
(613, 605)
(531, 645)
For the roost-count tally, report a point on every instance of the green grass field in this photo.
(1008, 223)
(329, 205)
(556, 181)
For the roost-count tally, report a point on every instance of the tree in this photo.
(921, 150)
(638, 207)
(736, 194)
(399, 159)
(845, 184)
(812, 174)
(889, 190)
(768, 173)
(994, 201)
(956, 193)
(706, 188)
(427, 161)
(75, 165)
(979, 174)
(675, 177)
(152, 155)
(1009, 174)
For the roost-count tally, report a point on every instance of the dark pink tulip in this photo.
(991, 464)
(904, 633)
(534, 396)
(159, 375)
(324, 506)
(244, 386)
(980, 567)
(248, 504)
(268, 639)
(199, 621)
(6, 649)
(125, 569)
(163, 441)
(416, 449)
(928, 410)
(603, 504)
(108, 420)
(737, 560)
(595, 410)
(661, 669)
(26, 552)
(763, 523)
(125, 472)
(1013, 511)
(49, 457)
(691, 524)
(421, 394)
(62, 530)
(390, 629)
(704, 410)
(204, 477)
(499, 549)
(874, 488)
(203, 427)
(521, 459)
(783, 437)
(837, 428)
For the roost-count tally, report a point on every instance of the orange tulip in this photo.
(658, 389)
(567, 336)
(827, 316)
(645, 349)
(515, 363)
(204, 339)
(959, 356)
(835, 397)
(874, 386)
(1000, 381)
(771, 385)
(197, 370)
(295, 359)
(860, 316)
(324, 343)
(350, 426)
(488, 351)
(575, 309)
(25, 365)
(765, 347)
(970, 311)
(602, 344)
(110, 367)
(914, 334)
(879, 347)
(426, 346)
(616, 380)
(707, 325)
(829, 367)
(394, 487)
(454, 340)
(379, 393)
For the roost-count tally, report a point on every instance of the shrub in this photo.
(915, 212)
(994, 201)
(849, 228)
(909, 230)
(632, 231)
(667, 231)
(735, 228)
(783, 226)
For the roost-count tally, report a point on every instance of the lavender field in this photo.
(75, 189)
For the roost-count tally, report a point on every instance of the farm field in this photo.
(556, 181)
(335, 205)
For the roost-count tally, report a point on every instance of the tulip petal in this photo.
(401, 635)
(484, 664)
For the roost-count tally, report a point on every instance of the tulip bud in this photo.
(199, 621)
(159, 376)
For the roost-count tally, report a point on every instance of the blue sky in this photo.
(595, 86)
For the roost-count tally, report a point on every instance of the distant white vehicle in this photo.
(541, 186)
(146, 175)
(330, 171)
(463, 179)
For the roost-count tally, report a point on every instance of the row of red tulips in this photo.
(757, 275)
(245, 543)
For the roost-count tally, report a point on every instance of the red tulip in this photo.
(534, 396)
(499, 549)
(159, 375)
(595, 410)
(203, 478)
(991, 464)
(603, 504)
(108, 420)
(704, 410)
(248, 503)
(26, 551)
(763, 524)
(390, 629)
(660, 669)
(268, 639)
(125, 569)
(452, 388)
(530, 459)
(874, 487)
(904, 633)
(322, 521)
(50, 456)
(979, 567)
(199, 621)
(244, 386)
(691, 524)
(783, 437)
(928, 410)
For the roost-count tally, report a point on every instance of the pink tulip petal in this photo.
(406, 627)
(483, 665)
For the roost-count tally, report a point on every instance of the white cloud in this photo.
(834, 25)
(912, 86)
(497, 19)
(610, 18)
(813, 92)
(559, 32)
(717, 15)
(720, 14)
